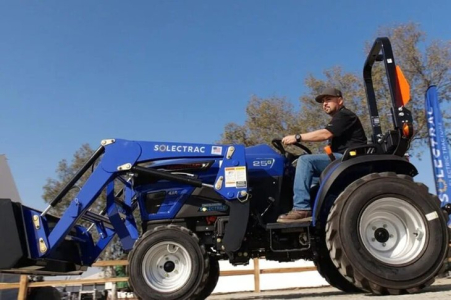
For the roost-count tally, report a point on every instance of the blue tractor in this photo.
(373, 228)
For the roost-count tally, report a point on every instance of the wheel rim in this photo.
(393, 231)
(166, 267)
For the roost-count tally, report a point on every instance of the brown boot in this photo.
(295, 216)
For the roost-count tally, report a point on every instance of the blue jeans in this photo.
(308, 168)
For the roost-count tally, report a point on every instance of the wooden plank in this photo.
(108, 263)
(23, 288)
(236, 272)
(256, 275)
(8, 286)
(267, 271)
(287, 270)
(76, 281)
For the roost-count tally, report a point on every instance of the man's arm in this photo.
(312, 136)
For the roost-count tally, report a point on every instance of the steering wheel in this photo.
(277, 143)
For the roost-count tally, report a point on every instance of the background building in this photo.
(8, 190)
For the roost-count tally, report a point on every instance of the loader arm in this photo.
(118, 159)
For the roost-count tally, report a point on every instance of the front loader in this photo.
(373, 228)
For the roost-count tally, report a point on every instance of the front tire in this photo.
(168, 263)
(387, 234)
(212, 280)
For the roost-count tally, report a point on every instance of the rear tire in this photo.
(168, 263)
(328, 271)
(387, 234)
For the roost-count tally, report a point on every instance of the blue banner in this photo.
(441, 157)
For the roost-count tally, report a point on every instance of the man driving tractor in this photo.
(343, 131)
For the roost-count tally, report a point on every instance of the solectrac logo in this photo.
(179, 148)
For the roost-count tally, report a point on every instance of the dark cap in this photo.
(328, 92)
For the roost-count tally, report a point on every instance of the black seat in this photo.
(351, 153)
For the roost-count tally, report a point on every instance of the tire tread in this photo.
(334, 242)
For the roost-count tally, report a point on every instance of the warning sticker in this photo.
(235, 177)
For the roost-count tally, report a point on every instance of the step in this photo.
(294, 225)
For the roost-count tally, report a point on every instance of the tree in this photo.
(267, 119)
(65, 172)
(423, 64)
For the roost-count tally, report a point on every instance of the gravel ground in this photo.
(441, 289)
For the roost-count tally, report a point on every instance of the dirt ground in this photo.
(441, 289)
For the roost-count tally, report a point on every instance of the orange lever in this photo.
(329, 152)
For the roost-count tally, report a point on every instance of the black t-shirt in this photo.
(347, 131)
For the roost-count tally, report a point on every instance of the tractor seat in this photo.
(351, 153)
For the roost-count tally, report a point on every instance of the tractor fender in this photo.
(339, 174)
(237, 225)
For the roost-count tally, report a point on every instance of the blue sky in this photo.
(74, 72)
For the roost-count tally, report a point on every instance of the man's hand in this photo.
(289, 139)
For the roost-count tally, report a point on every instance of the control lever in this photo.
(271, 201)
(329, 153)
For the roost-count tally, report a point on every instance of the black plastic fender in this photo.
(237, 225)
(340, 174)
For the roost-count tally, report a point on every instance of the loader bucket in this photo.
(12, 235)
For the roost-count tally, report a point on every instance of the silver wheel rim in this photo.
(393, 231)
(166, 267)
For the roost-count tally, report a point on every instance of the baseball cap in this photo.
(328, 92)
